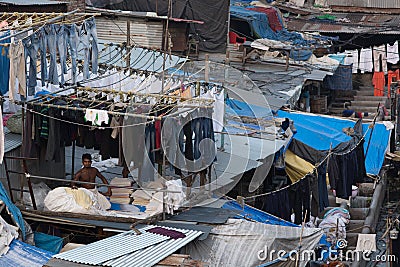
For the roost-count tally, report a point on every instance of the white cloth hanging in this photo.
(352, 58)
(393, 53)
(380, 57)
(366, 60)
(218, 109)
(96, 116)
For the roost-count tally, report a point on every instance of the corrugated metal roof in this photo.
(357, 23)
(36, 2)
(11, 140)
(146, 33)
(22, 254)
(154, 254)
(365, 3)
(147, 256)
(112, 247)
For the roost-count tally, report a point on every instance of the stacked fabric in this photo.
(121, 192)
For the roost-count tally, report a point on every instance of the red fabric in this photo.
(235, 38)
(157, 125)
(272, 15)
(378, 80)
(391, 75)
(6, 117)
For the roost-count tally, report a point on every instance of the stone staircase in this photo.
(365, 101)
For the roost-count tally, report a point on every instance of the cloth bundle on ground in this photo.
(334, 223)
(65, 199)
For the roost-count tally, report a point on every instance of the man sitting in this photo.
(89, 174)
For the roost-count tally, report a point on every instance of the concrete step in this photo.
(355, 213)
(339, 104)
(365, 88)
(355, 226)
(371, 93)
(344, 99)
(364, 109)
(369, 98)
(361, 202)
(366, 103)
(335, 110)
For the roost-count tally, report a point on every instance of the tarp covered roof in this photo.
(321, 132)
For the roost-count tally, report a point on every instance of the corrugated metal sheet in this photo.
(113, 247)
(22, 254)
(149, 255)
(11, 140)
(154, 254)
(366, 3)
(144, 33)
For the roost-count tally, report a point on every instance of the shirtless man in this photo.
(89, 174)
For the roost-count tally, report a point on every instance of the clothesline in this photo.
(330, 153)
(131, 93)
(57, 17)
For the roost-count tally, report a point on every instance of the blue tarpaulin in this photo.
(255, 214)
(22, 254)
(342, 79)
(260, 26)
(48, 242)
(319, 132)
(13, 209)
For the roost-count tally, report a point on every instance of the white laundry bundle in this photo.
(174, 200)
(96, 116)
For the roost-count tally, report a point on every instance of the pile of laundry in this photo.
(334, 224)
(81, 200)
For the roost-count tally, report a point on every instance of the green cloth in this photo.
(326, 17)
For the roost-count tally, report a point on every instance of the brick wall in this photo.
(76, 4)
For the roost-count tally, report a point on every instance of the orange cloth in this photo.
(392, 76)
(378, 80)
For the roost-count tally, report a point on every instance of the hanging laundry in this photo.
(96, 116)
(380, 61)
(17, 69)
(219, 108)
(378, 80)
(393, 53)
(393, 77)
(352, 58)
(4, 64)
(1, 139)
(365, 63)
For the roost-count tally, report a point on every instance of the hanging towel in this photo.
(352, 58)
(366, 60)
(393, 53)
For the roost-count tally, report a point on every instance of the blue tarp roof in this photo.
(260, 26)
(319, 132)
(22, 254)
(255, 214)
